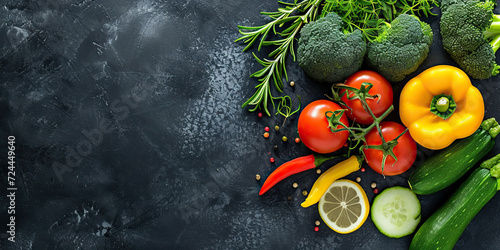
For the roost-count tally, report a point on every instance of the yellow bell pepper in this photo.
(440, 105)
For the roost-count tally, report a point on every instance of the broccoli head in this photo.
(400, 47)
(471, 35)
(327, 53)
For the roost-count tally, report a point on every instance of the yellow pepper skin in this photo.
(339, 170)
(428, 129)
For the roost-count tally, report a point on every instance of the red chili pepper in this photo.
(292, 167)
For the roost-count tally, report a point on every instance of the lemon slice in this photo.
(344, 207)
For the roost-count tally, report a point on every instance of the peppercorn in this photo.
(358, 179)
(275, 147)
(374, 185)
(266, 129)
(316, 229)
(363, 169)
(375, 190)
(295, 185)
(318, 171)
(276, 127)
(266, 135)
(292, 83)
(271, 160)
(260, 114)
(317, 223)
(297, 140)
(257, 177)
(284, 138)
(304, 192)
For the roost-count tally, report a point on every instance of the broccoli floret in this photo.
(400, 47)
(327, 53)
(471, 35)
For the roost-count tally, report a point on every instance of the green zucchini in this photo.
(447, 166)
(445, 226)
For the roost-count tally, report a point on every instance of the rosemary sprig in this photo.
(295, 14)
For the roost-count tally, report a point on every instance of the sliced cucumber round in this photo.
(396, 212)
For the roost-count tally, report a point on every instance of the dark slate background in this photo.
(130, 134)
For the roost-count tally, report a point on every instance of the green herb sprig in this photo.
(285, 107)
(369, 15)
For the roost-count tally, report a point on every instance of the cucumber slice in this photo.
(396, 212)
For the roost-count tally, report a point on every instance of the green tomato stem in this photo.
(386, 147)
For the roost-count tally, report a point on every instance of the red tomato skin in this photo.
(314, 131)
(380, 86)
(405, 151)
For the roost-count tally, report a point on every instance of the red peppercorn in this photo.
(375, 190)
(266, 129)
(271, 160)
(363, 169)
(316, 229)
(297, 140)
(260, 114)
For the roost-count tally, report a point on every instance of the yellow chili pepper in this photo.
(440, 105)
(326, 179)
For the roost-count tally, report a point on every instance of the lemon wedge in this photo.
(344, 207)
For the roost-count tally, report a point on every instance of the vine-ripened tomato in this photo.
(314, 129)
(379, 105)
(405, 151)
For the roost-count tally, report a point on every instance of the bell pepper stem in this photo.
(443, 106)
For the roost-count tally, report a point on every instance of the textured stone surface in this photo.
(130, 133)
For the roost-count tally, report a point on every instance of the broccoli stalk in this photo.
(495, 43)
(492, 34)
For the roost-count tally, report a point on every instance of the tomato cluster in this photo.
(316, 133)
